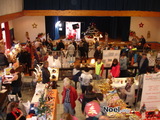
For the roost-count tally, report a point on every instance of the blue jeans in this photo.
(68, 108)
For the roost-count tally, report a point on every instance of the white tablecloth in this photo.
(120, 83)
(40, 88)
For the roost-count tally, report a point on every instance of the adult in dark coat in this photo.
(60, 45)
(76, 74)
(25, 59)
(86, 48)
(142, 40)
(143, 64)
(88, 97)
(16, 82)
(81, 50)
(45, 73)
(98, 53)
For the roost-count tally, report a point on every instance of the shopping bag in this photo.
(80, 98)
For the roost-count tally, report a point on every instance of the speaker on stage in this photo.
(75, 26)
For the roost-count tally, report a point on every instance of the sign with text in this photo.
(109, 55)
(151, 91)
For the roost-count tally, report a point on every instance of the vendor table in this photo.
(121, 83)
(55, 95)
(52, 93)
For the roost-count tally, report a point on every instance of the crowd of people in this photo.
(42, 51)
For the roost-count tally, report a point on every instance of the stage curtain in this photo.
(124, 28)
(142, 5)
(8, 39)
(50, 22)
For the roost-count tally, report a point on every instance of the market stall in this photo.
(44, 103)
(109, 90)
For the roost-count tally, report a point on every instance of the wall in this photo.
(24, 24)
(150, 24)
(10, 6)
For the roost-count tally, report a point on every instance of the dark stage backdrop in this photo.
(142, 5)
(116, 27)
(50, 22)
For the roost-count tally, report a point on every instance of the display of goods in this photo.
(133, 117)
(105, 88)
(114, 100)
(115, 115)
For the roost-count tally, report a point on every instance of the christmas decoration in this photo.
(42, 108)
(141, 25)
(34, 25)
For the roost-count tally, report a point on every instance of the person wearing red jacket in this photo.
(69, 96)
(115, 69)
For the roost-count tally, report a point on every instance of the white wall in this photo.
(24, 24)
(10, 6)
(151, 24)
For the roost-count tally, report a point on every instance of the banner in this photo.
(109, 55)
(151, 91)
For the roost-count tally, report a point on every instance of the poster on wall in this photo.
(73, 30)
(109, 55)
(151, 91)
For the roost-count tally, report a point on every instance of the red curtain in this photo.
(8, 38)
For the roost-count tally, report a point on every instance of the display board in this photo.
(151, 91)
(73, 30)
(109, 55)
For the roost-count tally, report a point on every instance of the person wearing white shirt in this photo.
(129, 91)
(85, 79)
(50, 59)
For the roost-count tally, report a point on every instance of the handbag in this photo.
(80, 98)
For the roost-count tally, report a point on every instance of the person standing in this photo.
(88, 97)
(142, 40)
(86, 48)
(96, 43)
(143, 64)
(85, 79)
(45, 73)
(16, 82)
(81, 50)
(129, 91)
(123, 65)
(71, 49)
(99, 68)
(69, 96)
(60, 45)
(98, 53)
(50, 59)
(75, 45)
(76, 74)
(115, 68)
